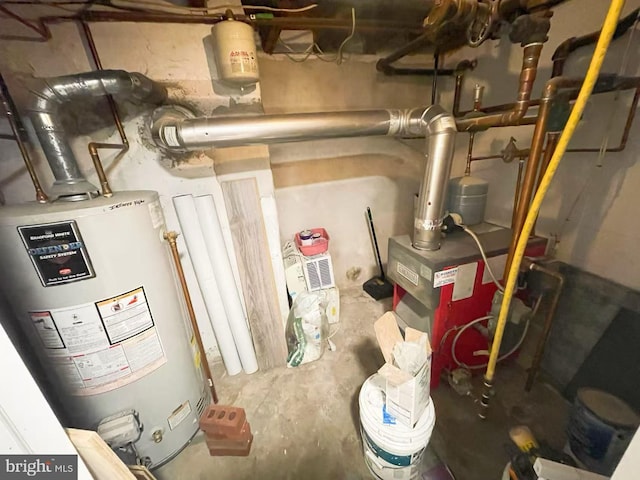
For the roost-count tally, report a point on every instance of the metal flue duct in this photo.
(58, 91)
(176, 130)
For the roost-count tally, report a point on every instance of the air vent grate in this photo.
(314, 276)
(325, 273)
(202, 403)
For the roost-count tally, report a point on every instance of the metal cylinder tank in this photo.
(93, 288)
(468, 198)
(235, 50)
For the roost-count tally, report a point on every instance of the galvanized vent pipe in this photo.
(56, 92)
(175, 129)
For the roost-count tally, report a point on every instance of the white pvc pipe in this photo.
(219, 258)
(188, 218)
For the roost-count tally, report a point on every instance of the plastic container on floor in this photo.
(318, 245)
(391, 451)
(600, 429)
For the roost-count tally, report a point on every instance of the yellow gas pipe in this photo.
(608, 28)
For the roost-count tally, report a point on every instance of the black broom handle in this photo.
(375, 243)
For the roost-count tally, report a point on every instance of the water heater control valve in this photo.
(120, 429)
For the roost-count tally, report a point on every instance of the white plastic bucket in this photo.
(392, 452)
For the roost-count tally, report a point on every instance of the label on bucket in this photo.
(387, 418)
(390, 458)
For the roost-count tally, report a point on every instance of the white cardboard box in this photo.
(407, 396)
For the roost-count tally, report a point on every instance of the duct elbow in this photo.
(56, 92)
(441, 132)
(130, 85)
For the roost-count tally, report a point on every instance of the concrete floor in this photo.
(306, 425)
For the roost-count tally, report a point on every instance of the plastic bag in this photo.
(307, 328)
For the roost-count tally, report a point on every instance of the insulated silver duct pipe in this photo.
(175, 129)
(55, 92)
(440, 133)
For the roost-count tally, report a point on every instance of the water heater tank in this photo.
(235, 51)
(92, 287)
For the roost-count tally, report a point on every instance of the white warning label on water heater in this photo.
(101, 346)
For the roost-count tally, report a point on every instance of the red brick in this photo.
(223, 419)
(237, 451)
(244, 433)
(226, 443)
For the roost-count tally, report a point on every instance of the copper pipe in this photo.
(624, 83)
(460, 70)
(505, 107)
(560, 56)
(19, 134)
(537, 143)
(94, 146)
(97, 164)
(112, 104)
(456, 95)
(528, 183)
(552, 143)
(477, 103)
(516, 195)
(173, 245)
(284, 23)
(528, 72)
(548, 321)
(476, 106)
(535, 153)
(467, 170)
(536, 102)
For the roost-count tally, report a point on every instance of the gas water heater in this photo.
(92, 286)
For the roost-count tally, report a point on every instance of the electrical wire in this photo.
(606, 34)
(315, 50)
(446, 334)
(162, 6)
(346, 40)
(457, 336)
(155, 6)
(484, 257)
(307, 52)
(484, 365)
(532, 315)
